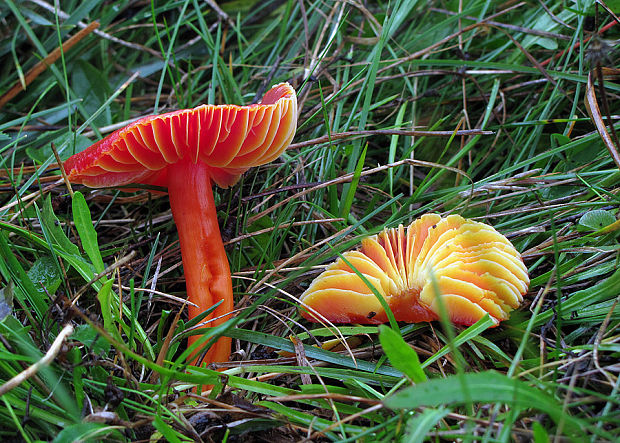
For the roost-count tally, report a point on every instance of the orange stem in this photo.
(207, 274)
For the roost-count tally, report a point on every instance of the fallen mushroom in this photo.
(476, 269)
(185, 151)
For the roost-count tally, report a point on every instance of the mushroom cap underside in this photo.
(229, 139)
(464, 265)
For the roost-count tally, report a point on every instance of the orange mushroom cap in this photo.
(476, 269)
(229, 139)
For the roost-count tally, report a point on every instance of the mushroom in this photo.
(185, 151)
(476, 269)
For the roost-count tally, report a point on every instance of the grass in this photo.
(107, 263)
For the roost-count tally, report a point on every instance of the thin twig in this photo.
(509, 26)
(415, 133)
(220, 12)
(282, 226)
(347, 177)
(103, 273)
(63, 15)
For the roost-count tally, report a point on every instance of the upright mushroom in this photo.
(185, 151)
(476, 269)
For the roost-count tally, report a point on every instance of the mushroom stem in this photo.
(207, 274)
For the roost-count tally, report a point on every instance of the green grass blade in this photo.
(88, 235)
(401, 355)
(420, 424)
(484, 387)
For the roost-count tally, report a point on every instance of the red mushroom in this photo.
(185, 151)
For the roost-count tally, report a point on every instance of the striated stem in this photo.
(207, 274)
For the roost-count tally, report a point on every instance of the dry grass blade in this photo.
(609, 10)
(597, 118)
(34, 195)
(62, 170)
(166, 344)
(302, 360)
(331, 395)
(46, 360)
(43, 64)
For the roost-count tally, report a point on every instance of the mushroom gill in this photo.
(476, 269)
